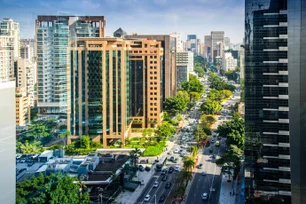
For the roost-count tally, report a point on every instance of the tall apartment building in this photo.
(7, 58)
(10, 28)
(273, 151)
(25, 78)
(53, 36)
(7, 143)
(28, 49)
(228, 62)
(179, 43)
(99, 89)
(241, 57)
(168, 64)
(22, 107)
(185, 59)
(217, 44)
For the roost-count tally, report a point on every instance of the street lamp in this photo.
(155, 198)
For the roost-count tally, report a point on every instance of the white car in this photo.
(147, 198)
(176, 150)
(155, 185)
(204, 173)
(177, 168)
(204, 196)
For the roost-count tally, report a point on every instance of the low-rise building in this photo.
(22, 107)
(229, 62)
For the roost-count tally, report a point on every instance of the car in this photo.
(22, 161)
(31, 164)
(211, 151)
(181, 151)
(176, 150)
(214, 156)
(204, 196)
(141, 168)
(168, 185)
(147, 198)
(212, 141)
(183, 154)
(204, 173)
(200, 166)
(162, 198)
(171, 169)
(170, 153)
(164, 171)
(217, 144)
(155, 185)
(177, 168)
(158, 167)
(142, 162)
(175, 160)
(171, 159)
(165, 177)
(219, 138)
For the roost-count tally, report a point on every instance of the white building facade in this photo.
(185, 59)
(10, 28)
(229, 62)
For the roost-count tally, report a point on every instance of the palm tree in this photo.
(64, 136)
(134, 154)
(186, 176)
(194, 151)
(189, 163)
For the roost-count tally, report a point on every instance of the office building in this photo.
(22, 107)
(119, 33)
(217, 44)
(10, 28)
(228, 61)
(179, 43)
(273, 151)
(192, 43)
(25, 78)
(146, 58)
(53, 35)
(168, 65)
(99, 89)
(207, 48)
(7, 143)
(185, 59)
(7, 58)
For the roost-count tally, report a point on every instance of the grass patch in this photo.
(154, 150)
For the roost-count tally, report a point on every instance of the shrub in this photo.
(147, 168)
(154, 150)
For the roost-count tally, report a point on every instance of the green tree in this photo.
(164, 130)
(175, 104)
(64, 136)
(184, 94)
(29, 148)
(207, 119)
(228, 163)
(211, 106)
(134, 155)
(194, 96)
(84, 142)
(189, 163)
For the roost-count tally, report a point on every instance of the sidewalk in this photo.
(226, 191)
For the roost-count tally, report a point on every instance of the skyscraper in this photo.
(179, 43)
(7, 58)
(10, 28)
(99, 89)
(53, 35)
(192, 43)
(268, 142)
(207, 48)
(217, 44)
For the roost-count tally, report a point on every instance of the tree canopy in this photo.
(53, 189)
(165, 130)
(217, 83)
(193, 85)
(211, 106)
(175, 104)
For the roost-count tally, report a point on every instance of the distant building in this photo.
(217, 44)
(182, 75)
(227, 43)
(22, 107)
(192, 43)
(28, 49)
(25, 78)
(7, 143)
(179, 42)
(229, 62)
(7, 58)
(207, 48)
(119, 33)
(185, 59)
(10, 28)
(53, 35)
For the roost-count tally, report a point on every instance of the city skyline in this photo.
(163, 16)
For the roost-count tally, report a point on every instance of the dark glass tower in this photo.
(267, 140)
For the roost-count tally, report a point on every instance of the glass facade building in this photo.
(99, 89)
(53, 36)
(268, 139)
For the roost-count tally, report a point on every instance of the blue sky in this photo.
(141, 16)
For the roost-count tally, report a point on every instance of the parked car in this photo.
(210, 151)
(204, 173)
(177, 168)
(158, 167)
(168, 185)
(162, 198)
(155, 185)
(175, 160)
(143, 162)
(171, 159)
(165, 177)
(176, 150)
(170, 152)
(147, 198)
(171, 169)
